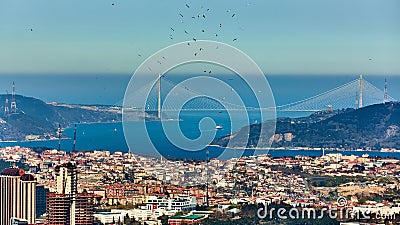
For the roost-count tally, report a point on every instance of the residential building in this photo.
(17, 197)
(66, 206)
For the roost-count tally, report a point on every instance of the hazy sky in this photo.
(283, 37)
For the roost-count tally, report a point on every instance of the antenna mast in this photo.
(6, 109)
(74, 145)
(385, 95)
(59, 136)
(207, 177)
(13, 102)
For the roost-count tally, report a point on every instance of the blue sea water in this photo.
(109, 90)
(109, 136)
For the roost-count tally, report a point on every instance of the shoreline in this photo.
(93, 123)
(36, 140)
(306, 149)
(53, 139)
(234, 148)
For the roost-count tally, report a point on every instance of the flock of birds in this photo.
(203, 14)
(200, 15)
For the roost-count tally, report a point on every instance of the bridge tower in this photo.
(6, 109)
(385, 95)
(159, 97)
(13, 102)
(360, 101)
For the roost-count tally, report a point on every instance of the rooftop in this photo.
(13, 172)
(191, 217)
(27, 177)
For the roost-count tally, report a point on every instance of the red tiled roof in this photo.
(13, 172)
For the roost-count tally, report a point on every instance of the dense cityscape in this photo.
(200, 112)
(49, 186)
(100, 187)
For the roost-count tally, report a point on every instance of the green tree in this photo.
(164, 219)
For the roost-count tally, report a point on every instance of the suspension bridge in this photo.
(355, 94)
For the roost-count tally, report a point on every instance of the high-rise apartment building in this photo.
(65, 206)
(18, 196)
(41, 193)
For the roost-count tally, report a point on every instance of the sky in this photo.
(335, 37)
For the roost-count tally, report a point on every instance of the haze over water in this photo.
(84, 52)
(109, 90)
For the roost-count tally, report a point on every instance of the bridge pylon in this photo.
(360, 101)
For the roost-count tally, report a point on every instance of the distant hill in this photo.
(371, 127)
(37, 119)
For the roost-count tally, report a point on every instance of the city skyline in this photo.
(149, 188)
(199, 112)
(308, 37)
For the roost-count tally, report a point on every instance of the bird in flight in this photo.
(187, 6)
(235, 39)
